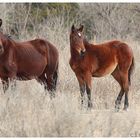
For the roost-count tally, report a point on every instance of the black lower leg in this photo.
(118, 100)
(5, 84)
(13, 86)
(50, 86)
(126, 104)
(82, 91)
(88, 90)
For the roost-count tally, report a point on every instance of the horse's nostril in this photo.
(82, 52)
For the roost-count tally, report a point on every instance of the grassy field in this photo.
(28, 110)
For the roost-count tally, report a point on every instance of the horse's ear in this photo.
(0, 22)
(81, 28)
(72, 28)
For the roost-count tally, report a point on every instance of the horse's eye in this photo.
(79, 34)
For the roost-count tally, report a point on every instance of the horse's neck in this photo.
(74, 54)
(87, 45)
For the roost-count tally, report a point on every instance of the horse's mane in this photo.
(86, 43)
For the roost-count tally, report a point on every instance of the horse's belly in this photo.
(32, 69)
(105, 71)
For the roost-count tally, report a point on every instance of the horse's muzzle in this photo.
(82, 53)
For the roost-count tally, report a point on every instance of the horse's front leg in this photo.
(82, 86)
(87, 79)
(10, 72)
(5, 84)
(13, 83)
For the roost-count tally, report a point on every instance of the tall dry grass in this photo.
(28, 111)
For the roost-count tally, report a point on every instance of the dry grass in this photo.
(28, 111)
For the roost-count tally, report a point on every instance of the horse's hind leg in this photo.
(117, 77)
(49, 81)
(122, 78)
(125, 84)
(42, 80)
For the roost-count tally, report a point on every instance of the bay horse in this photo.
(34, 59)
(89, 60)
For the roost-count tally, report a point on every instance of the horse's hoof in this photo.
(125, 108)
(90, 105)
(52, 96)
(117, 108)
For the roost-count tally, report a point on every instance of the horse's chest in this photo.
(78, 67)
(8, 69)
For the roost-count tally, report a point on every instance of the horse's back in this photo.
(123, 49)
(45, 45)
(30, 62)
(114, 47)
(34, 56)
(106, 56)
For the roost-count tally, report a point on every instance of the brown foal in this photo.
(89, 60)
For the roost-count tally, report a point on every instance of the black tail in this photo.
(131, 70)
(55, 77)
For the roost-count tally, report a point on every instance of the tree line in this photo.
(101, 20)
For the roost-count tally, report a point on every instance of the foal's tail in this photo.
(131, 70)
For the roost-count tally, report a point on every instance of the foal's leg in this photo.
(117, 77)
(122, 78)
(87, 79)
(82, 86)
(125, 83)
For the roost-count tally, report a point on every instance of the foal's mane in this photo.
(87, 44)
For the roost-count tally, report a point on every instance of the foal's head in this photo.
(76, 40)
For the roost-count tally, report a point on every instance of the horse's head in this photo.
(2, 40)
(76, 40)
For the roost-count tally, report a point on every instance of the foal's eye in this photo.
(79, 34)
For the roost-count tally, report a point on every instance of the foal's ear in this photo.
(81, 28)
(72, 28)
(0, 22)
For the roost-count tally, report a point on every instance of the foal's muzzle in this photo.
(82, 53)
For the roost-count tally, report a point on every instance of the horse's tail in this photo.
(131, 70)
(55, 76)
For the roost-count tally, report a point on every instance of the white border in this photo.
(70, 1)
